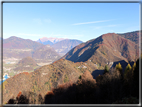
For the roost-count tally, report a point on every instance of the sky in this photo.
(82, 21)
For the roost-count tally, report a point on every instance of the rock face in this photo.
(106, 49)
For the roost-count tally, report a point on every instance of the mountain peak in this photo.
(109, 34)
(52, 39)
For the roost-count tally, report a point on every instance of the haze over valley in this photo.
(15, 49)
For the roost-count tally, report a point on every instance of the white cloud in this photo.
(41, 21)
(100, 27)
(38, 21)
(91, 22)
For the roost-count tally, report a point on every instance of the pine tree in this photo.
(127, 71)
(128, 68)
(106, 70)
(118, 67)
(134, 65)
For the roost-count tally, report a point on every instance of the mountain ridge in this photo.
(111, 44)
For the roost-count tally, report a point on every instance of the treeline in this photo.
(113, 87)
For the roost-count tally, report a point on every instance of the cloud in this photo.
(91, 22)
(38, 21)
(41, 21)
(100, 27)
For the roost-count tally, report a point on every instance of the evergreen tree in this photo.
(128, 67)
(134, 66)
(127, 71)
(106, 70)
(136, 79)
(118, 67)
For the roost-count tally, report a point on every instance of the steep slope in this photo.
(105, 49)
(45, 54)
(133, 36)
(45, 78)
(64, 46)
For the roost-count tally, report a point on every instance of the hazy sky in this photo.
(83, 21)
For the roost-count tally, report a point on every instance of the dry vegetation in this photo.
(111, 87)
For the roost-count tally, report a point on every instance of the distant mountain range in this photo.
(62, 47)
(49, 41)
(20, 48)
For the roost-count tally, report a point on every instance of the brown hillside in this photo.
(26, 64)
(133, 36)
(47, 77)
(105, 49)
(19, 43)
(27, 61)
(45, 53)
(19, 48)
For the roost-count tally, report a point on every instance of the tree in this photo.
(136, 79)
(128, 67)
(127, 70)
(118, 67)
(134, 66)
(80, 77)
(106, 70)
